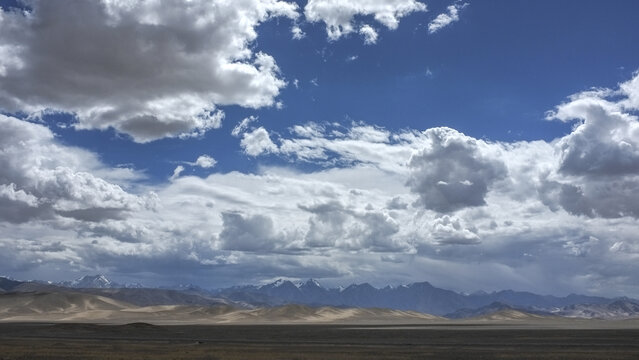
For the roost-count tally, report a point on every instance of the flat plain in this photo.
(458, 340)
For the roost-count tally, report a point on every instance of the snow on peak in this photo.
(313, 282)
(277, 283)
(92, 281)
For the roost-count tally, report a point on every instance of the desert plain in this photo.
(81, 326)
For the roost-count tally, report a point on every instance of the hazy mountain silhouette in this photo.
(422, 297)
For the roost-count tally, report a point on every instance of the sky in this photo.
(477, 145)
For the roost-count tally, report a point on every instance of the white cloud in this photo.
(369, 34)
(309, 130)
(451, 172)
(297, 32)
(247, 233)
(444, 19)
(149, 69)
(339, 15)
(598, 164)
(43, 179)
(326, 226)
(205, 161)
(257, 142)
(448, 230)
(243, 125)
(606, 142)
(177, 172)
(529, 223)
(334, 225)
(396, 203)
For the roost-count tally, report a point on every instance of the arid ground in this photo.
(435, 341)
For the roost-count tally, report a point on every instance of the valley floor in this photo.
(443, 341)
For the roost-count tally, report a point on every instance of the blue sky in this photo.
(493, 75)
(493, 151)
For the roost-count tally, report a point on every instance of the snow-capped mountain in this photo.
(310, 283)
(421, 296)
(619, 309)
(97, 282)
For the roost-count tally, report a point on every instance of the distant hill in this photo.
(82, 307)
(149, 297)
(509, 315)
(7, 284)
(99, 285)
(39, 303)
(619, 309)
(494, 308)
(98, 281)
(421, 297)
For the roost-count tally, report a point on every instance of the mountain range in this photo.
(419, 297)
(96, 282)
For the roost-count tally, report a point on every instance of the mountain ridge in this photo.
(420, 297)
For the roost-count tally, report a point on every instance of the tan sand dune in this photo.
(326, 314)
(81, 307)
(510, 314)
(59, 302)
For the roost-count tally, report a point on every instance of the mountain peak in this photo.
(423, 284)
(311, 283)
(278, 283)
(98, 281)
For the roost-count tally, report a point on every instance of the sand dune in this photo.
(325, 314)
(77, 307)
(510, 314)
(82, 307)
(51, 303)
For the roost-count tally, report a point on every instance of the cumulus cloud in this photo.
(247, 232)
(396, 203)
(339, 15)
(43, 179)
(149, 69)
(598, 164)
(529, 222)
(335, 225)
(611, 198)
(451, 172)
(326, 226)
(606, 142)
(17, 205)
(298, 33)
(448, 230)
(369, 34)
(444, 19)
(257, 142)
(205, 161)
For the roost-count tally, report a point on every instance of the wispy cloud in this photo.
(445, 19)
(338, 15)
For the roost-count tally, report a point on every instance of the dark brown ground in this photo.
(143, 341)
